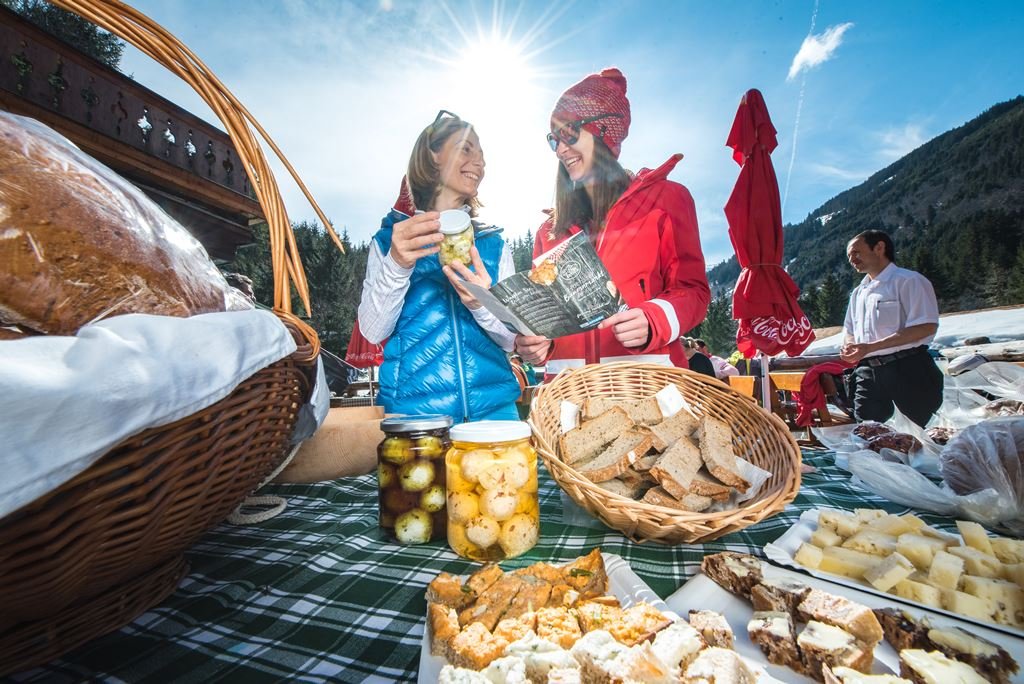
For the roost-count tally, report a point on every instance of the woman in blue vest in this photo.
(445, 353)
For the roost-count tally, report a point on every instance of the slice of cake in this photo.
(821, 644)
(718, 666)
(638, 623)
(443, 625)
(678, 644)
(595, 615)
(988, 659)
(713, 627)
(901, 629)
(587, 575)
(845, 675)
(923, 667)
(773, 633)
(475, 647)
(559, 626)
(542, 657)
(779, 595)
(734, 572)
(841, 612)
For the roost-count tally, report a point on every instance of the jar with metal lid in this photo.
(493, 512)
(411, 475)
(457, 228)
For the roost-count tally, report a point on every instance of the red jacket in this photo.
(651, 248)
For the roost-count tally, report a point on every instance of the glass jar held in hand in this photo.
(411, 477)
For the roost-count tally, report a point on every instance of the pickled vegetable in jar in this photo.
(493, 512)
(457, 229)
(411, 476)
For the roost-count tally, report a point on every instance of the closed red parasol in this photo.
(361, 353)
(765, 299)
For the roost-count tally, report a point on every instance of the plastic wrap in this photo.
(982, 471)
(79, 243)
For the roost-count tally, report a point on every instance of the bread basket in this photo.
(758, 436)
(109, 544)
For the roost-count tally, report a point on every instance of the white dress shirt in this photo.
(894, 300)
(384, 289)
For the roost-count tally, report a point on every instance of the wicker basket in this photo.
(107, 545)
(758, 436)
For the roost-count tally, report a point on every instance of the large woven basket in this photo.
(758, 436)
(107, 545)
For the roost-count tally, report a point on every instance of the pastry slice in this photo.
(924, 667)
(713, 627)
(735, 572)
(821, 644)
(774, 634)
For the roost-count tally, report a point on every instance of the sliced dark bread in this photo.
(716, 450)
(669, 430)
(590, 439)
(629, 489)
(691, 502)
(642, 411)
(675, 469)
(615, 459)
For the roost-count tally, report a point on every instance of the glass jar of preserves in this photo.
(410, 477)
(491, 478)
(457, 229)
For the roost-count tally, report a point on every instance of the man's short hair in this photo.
(701, 343)
(873, 237)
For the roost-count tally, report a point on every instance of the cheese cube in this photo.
(846, 562)
(965, 604)
(1014, 572)
(916, 591)
(888, 572)
(823, 537)
(949, 539)
(1008, 550)
(869, 541)
(974, 536)
(842, 523)
(945, 571)
(976, 562)
(1006, 597)
(868, 514)
(808, 556)
(896, 524)
(919, 549)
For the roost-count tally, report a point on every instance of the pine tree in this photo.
(718, 329)
(80, 33)
(830, 302)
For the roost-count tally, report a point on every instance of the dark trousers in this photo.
(912, 383)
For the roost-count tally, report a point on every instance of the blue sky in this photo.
(345, 87)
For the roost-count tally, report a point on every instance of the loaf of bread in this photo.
(81, 244)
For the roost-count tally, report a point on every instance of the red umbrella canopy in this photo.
(361, 353)
(764, 301)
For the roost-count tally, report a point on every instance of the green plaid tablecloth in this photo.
(319, 594)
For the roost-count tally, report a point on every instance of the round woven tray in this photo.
(758, 436)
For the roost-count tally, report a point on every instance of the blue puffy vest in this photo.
(438, 360)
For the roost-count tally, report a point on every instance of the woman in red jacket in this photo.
(644, 228)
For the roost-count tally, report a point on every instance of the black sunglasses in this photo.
(445, 113)
(570, 132)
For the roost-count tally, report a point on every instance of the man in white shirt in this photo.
(891, 319)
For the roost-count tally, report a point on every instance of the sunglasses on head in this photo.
(570, 132)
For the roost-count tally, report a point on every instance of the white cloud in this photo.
(817, 49)
(832, 171)
(897, 142)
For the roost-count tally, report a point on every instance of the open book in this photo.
(568, 291)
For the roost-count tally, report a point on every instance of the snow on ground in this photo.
(999, 325)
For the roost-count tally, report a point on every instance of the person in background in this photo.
(445, 353)
(723, 369)
(696, 360)
(643, 227)
(892, 317)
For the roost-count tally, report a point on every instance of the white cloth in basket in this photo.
(65, 401)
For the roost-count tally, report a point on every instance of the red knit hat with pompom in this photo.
(603, 93)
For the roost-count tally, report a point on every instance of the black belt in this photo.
(881, 360)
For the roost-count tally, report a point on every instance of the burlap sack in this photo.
(346, 444)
